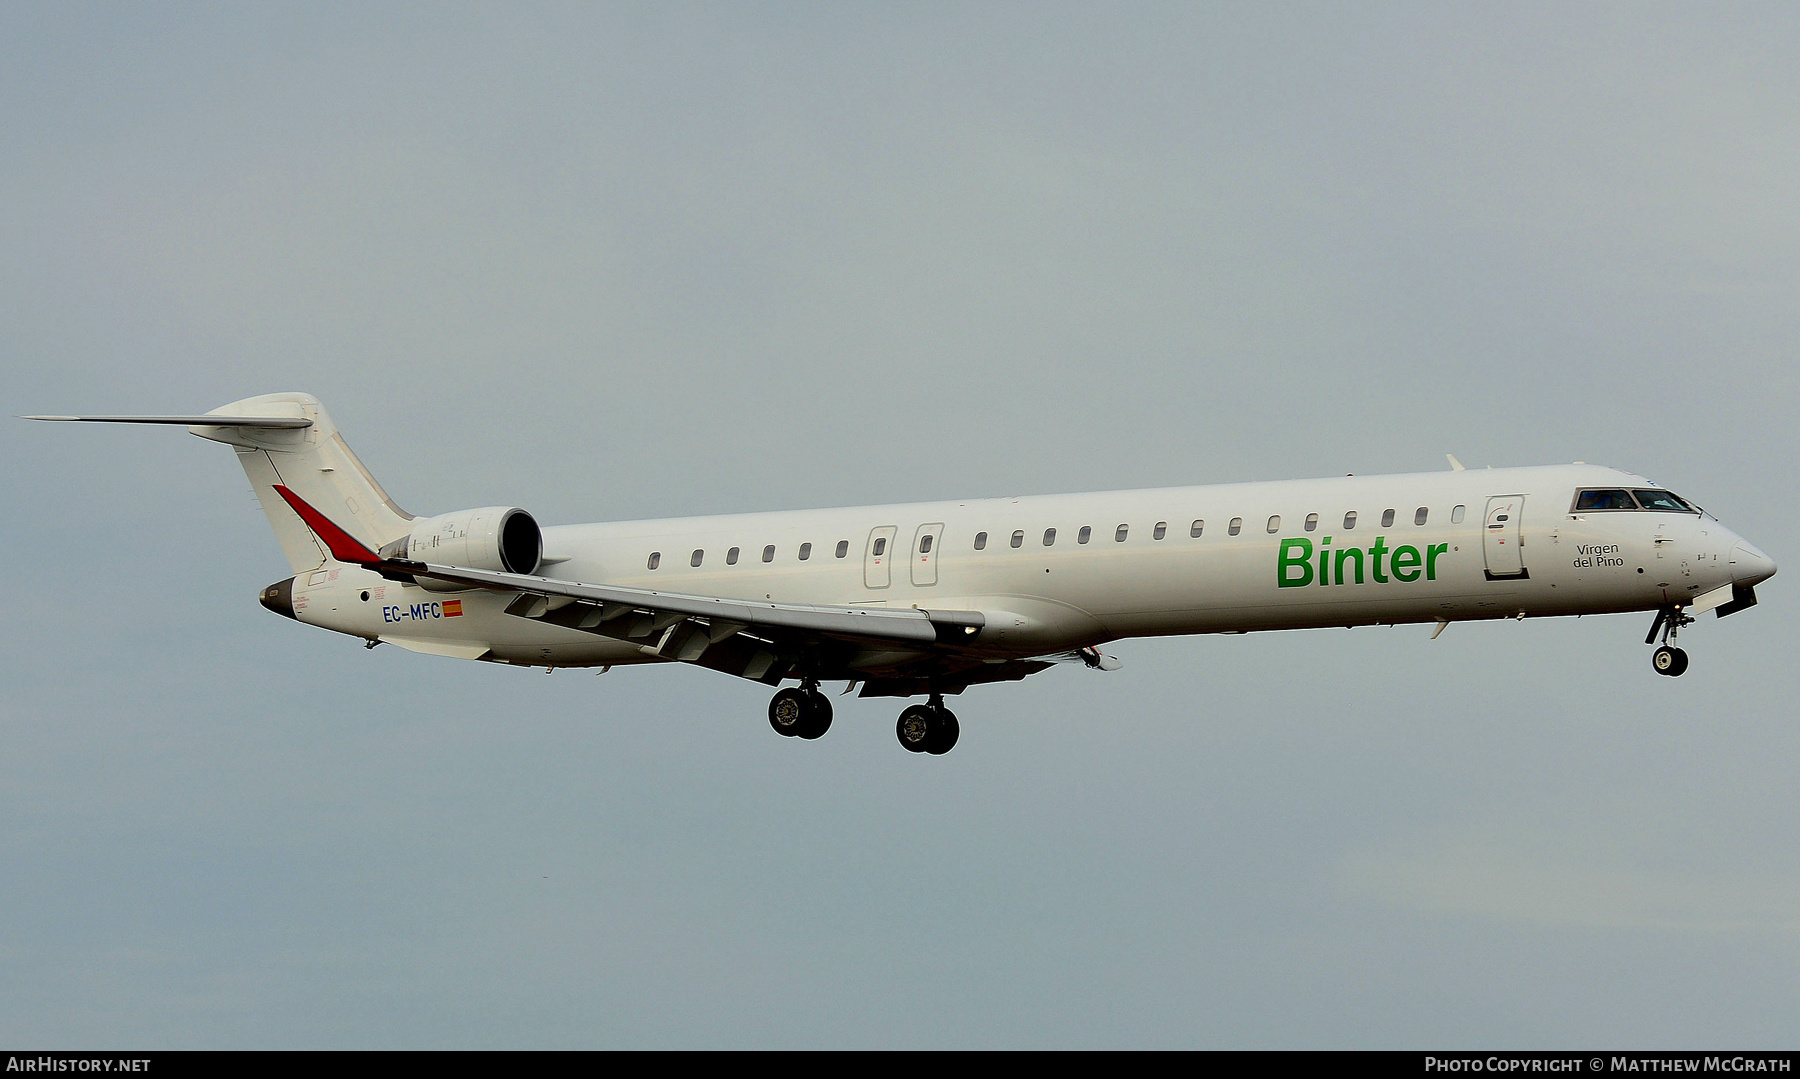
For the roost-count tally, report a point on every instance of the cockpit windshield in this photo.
(1615, 498)
(1663, 500)
(1604, 500)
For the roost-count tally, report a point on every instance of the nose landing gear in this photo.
(928, 728)
(800, 713)
(1668, 659)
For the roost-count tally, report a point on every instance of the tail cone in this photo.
(279, 598)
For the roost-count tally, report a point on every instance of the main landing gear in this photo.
(1668, 659)
(800, 713)
(928, 728)
(804, 712)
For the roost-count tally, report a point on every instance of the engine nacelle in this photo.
(503, 538)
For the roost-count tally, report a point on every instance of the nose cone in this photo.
(1749, 566)
(280, 598)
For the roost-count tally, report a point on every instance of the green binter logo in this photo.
(1339, 565)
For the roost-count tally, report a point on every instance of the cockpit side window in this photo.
(1662, 500)
(1605, 499)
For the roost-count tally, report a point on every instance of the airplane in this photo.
(927, 599)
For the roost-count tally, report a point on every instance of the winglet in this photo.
(1455, 465)
(344, 546)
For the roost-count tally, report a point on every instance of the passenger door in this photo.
(1500, 537)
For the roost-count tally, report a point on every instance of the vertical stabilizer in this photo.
(313, 462)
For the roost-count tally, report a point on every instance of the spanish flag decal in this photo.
(453, 608)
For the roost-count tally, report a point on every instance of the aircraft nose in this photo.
(1749, 566)
(279, 598)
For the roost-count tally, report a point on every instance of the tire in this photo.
(1681, 663)
(817, 719)
(1665, 661)
(944, 733)
(788, 712)
(915, 728)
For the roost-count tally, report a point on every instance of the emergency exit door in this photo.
(878, 557)
(924, 555)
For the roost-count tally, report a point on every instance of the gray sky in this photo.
(610, 262)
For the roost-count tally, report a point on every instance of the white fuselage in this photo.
(1045, 593)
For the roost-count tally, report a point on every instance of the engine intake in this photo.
(503, 538)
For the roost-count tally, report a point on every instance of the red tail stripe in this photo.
(344, 546)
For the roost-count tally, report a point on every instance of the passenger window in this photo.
(1312, 522)
(924, 544)
(769, 551)
(981, 541)
(1349, 520)
(1456, 515)
(1603, 500)
(1049, 536)
(805, 551)
(1275, 524)
(1018, 539)
(1387, 518)
(697, 556)
(1236, 526)
(843, 548)
(1663, 500)
(1161, 530)
(1119, 536)
(655, 560)
(731, 557)
(1195, 529)
(1419, 515)
(1086, 533)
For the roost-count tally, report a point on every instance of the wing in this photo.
(893, 651)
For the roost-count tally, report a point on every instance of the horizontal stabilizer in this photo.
(279, 422)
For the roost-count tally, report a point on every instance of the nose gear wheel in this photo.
(1669, 661)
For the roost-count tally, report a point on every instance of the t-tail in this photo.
(287, 442)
